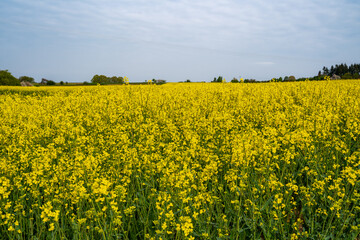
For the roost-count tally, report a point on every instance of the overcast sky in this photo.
(175, 40)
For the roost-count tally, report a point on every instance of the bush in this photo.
(347, 76)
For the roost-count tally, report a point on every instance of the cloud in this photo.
(279, 30)
(220, 24)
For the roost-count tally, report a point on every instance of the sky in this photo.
(176, 40)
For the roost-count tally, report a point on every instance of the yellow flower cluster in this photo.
(181, 161)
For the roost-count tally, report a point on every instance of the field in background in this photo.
(181, 161)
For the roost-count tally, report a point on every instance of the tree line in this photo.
(6, 78)
(102, 79)
(234, 80)
(338, 71)
(342, 70)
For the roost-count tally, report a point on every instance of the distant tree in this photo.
(249, 81)
(354, 69)
(292, 78)
(332, 71)
(326, 71)
(26, 79)
(317, 78)
(112, 80)
(286, 79)
(95, 79)
(219, 79)
(234, 80)
(6, 78)
(61, 83)
(276, 79)
(187, 80)
(50, 83)
(342, 69)
(115, 80)
(100, 79)
(347, 76)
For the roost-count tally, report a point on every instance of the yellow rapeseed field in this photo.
(181, 161)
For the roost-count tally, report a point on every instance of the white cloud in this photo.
(225, 23)
(237, 29)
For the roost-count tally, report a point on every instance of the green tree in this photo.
(347, 76)
(6, 78)
(100, 79)
(120, 80)
(50, 83)
(343, 69)
(115, 80)
(326, 71)
(292, 79)
(219, 79)
(249, 80)
(26, 79)
(234, 80)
